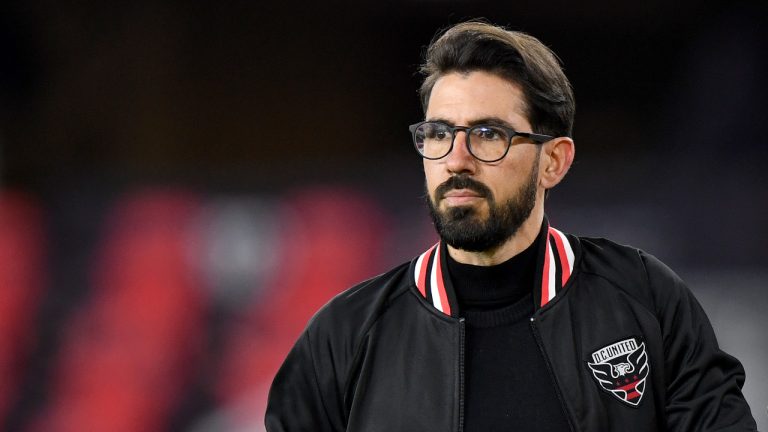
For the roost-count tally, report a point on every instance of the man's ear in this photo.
(556, 158)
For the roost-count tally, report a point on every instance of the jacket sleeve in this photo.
(297, 402)
(703, 383)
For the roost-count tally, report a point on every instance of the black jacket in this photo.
(628, 346)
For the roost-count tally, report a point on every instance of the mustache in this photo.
(462, 182)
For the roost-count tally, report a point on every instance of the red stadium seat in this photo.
(22, 249)
(329, 240)
(128, 352)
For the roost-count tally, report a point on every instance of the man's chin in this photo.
(460, 213)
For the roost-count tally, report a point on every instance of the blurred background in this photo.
(182, 184)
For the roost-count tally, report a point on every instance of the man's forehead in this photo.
(471, 97)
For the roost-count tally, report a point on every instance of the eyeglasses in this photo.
(488, 143)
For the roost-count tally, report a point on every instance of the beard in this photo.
(463, 228)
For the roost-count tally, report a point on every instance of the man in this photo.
(507, 323)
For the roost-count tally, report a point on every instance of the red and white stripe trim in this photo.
(436, 284)
(548, 285)
(564, 251)
(420, 272)
(558, 255)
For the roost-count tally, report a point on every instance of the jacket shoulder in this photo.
(315, 373)
(345, 319)
(364, 299)
(639, 274)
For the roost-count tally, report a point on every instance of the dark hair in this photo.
(516, 56)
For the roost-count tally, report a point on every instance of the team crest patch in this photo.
(621, 368)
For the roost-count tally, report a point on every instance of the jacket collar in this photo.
(557, 255)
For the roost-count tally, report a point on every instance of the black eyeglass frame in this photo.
(537, 138)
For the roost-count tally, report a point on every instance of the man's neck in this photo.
(524, 237)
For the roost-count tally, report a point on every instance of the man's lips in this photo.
(461, 196)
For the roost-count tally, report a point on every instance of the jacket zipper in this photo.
(461, 373)
(539, 342)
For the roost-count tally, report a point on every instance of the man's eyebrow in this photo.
(492, 120)
(441, 120)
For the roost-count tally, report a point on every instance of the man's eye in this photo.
(437, 133)
(487, 134)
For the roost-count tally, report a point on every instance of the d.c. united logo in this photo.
(621, 368)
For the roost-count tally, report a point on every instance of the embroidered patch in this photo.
(621, 368)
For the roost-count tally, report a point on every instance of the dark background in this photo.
(249, 102)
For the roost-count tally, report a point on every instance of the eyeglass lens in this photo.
(487, 143)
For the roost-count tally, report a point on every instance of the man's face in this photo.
(476, 206)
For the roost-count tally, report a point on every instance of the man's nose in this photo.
(460, 160)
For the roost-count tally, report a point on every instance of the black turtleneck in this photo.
(507, 384)
(483, 288)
